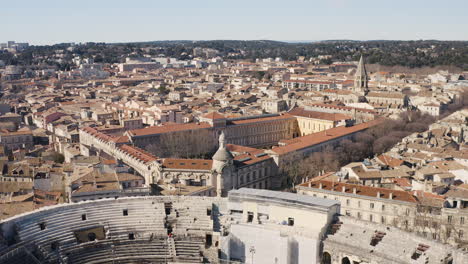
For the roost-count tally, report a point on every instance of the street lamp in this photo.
(252, 252)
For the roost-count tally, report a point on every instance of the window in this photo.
(290, 221)
(54, 245)
(407, 211)
(359, 215)
(208, 212)
(449, 219)
(42, 225)
(347, 202)
(383, 207)
(125, 212)
(460, 234)
(359, 204)
(131, 236)
(83, 217)
(348, 213)
(250, 217)
(462, 220)
(382, 220)
(371, 205)
(371, 217)
(91, 236)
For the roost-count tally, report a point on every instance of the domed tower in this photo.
(360, 78)
(223, 167)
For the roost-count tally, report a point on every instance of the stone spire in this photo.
(361, 78)
(224, 167)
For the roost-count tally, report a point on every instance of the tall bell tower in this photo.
(360, 78)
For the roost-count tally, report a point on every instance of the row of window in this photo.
(372, 205)
(450, 219)
(246, 178)
(320, 127)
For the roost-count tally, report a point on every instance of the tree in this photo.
(186, 144)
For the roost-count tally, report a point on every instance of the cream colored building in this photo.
(421, 213)
(309, 122)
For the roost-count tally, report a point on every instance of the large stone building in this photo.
(426, 214)
(309, 122)
(21, 139)
(257, 131)
(250, 226)
(231, 167)
(288, 228)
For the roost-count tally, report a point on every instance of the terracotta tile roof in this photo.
(334, 91)
(109, 162)
(339, 107)
(4, 132)
(390, 161)
(402, 182)
(129, 177)
(244, 156)
(138, 153)
(262, 119)
(429, 199)
(167, 128)
(121, 139)
(457, 192)
(385, 95)
(362, 190)
(214, 116)
(308, 82)
(188, 164)
(318, 115)
(321, 137)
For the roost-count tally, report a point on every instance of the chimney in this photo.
(310, 184)
(320, 185)
(354, 190)
(390, 196)
(343, 189)
(378, 194)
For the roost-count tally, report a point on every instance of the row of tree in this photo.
(367, 144)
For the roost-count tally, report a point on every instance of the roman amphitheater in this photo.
(248, 226)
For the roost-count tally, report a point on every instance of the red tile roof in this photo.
(362, 190)
(188, 164)
(167, 128)
(348, 108)
(318, 115)
(390, 161)
(138, 153)
(321, 137)
(214, 116)
(262, 119)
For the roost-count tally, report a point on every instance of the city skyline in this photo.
(51, 22)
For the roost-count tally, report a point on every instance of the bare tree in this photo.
(186, 144)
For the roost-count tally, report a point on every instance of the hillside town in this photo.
(393, 145)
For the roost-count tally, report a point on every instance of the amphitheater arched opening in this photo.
(345, 260)
(326, 258)
(91, 236)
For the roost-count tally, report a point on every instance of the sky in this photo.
(56, 21)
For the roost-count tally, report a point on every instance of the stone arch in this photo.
(345, 260)
(326, 258)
